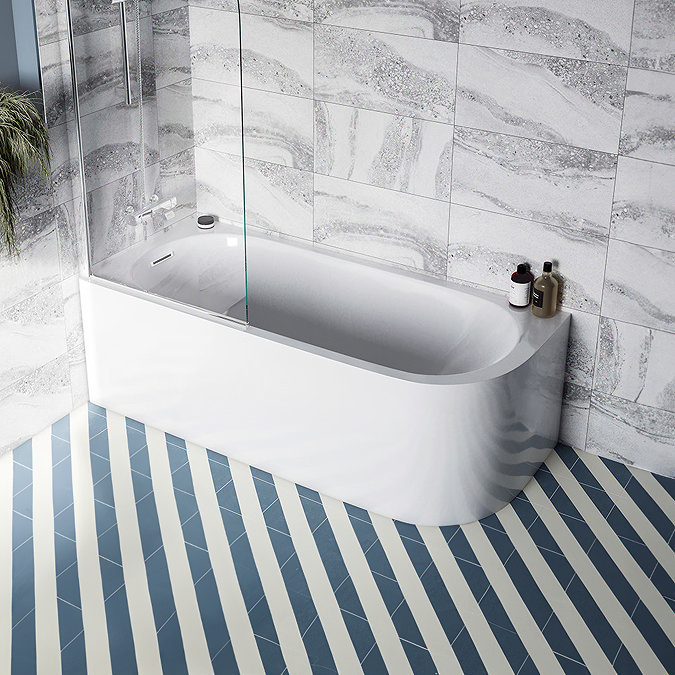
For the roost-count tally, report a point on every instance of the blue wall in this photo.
(19, 63)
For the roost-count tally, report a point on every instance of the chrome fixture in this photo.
(153, 207)
(125, 48)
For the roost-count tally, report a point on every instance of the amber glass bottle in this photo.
(545, 294)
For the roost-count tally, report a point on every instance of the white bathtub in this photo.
(419, 400)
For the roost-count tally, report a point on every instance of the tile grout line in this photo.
(237, 621)
(329, 613)
(413, 591)
(467, 606)
(386, 638)
(89, 571)
(656, 491)
(141, 616)
(601, 592)
(47, 642)
(6, 504)
(70, 642)
(274, 588)
(598, 588)
(609, 540)
(580, 635)
(189, 618)
(633, 514)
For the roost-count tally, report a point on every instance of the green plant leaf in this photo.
(24, 148)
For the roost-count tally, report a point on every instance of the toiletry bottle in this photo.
(521, 287)
(545, 294)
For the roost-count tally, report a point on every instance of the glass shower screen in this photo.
(159, 108)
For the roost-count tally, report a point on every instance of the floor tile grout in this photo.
(391, 589)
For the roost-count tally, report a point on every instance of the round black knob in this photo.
(205, 221)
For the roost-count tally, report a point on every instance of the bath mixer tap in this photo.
(145, 214)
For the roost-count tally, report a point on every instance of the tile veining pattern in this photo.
(127, 550)
(460, 138)
(42, 371)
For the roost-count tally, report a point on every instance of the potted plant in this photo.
(24, 147)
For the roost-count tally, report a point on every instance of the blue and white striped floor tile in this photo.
(127, 550)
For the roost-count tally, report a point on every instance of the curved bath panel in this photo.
(444, 423)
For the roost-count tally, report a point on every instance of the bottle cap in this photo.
(548, 266)
(522, 268)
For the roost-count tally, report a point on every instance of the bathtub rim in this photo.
(533, 332)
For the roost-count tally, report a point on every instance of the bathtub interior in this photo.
(203, 269)
(305, 293)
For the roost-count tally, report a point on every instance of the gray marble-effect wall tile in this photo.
(92, 15)
(214, 45)
(632, 434)
(34, 194)
(173, 177)
(636, 363)
(279, 199)
(88, 15)
(37, 194)
(35, 402)
(70, 230)
(100, 69)
(395, 152)
(111, 144)
(217, 116)
(79, 385)
(72, 313)
(644, 204)
(151, 193)
(30, 230)
(38, 265)
(279, 129)
(111, 228)
(399, 228)
(219, 185)
(171, 38)
(175, 118)
(100, 62)
(581, 349)
(548, 98)
(65, 167)
(300, 10)
(550, 183)
(578, 29)
(648, 130)
(432, 19)
(389, 73)
(653, 44)
(574, 416)
(50, 19)
(148, 60)
(150, 131)
(277, 55)
(227, 5)
(486, 247)
(57, 88)
(159, 6)
(32, 333)
(638, 285)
